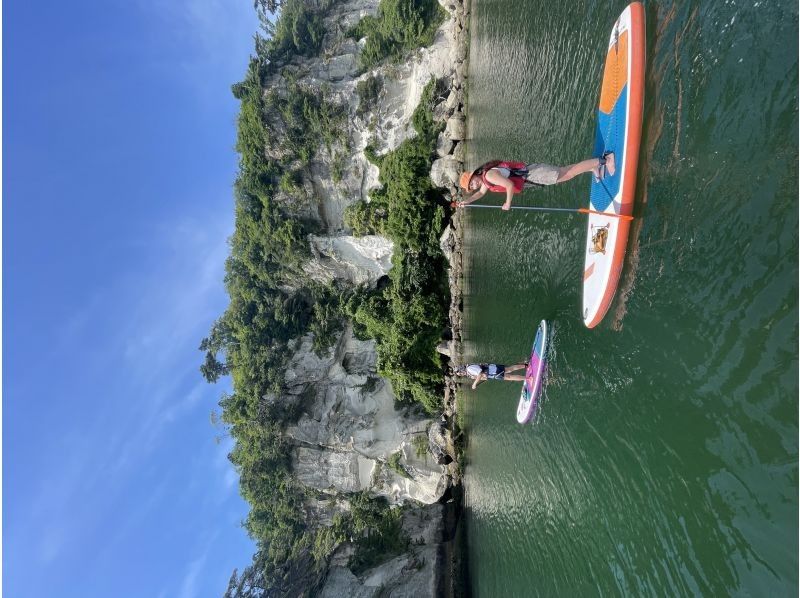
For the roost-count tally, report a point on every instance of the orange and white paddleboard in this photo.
(619, 130)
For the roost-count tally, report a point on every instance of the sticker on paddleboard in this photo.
(534, 374)
(619, 130)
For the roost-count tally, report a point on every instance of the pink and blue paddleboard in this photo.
(532, 387)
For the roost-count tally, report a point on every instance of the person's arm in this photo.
(498, 179)
(480, 378)
(475, 196)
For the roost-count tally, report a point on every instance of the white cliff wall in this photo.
(350, 426)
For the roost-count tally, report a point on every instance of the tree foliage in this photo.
(407, 316)
(368, 92)
(398, 27)
(272, 301)
(267, 5)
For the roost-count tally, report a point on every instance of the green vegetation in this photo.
(408, 315)
(272, 300)
(303, 118)
(368, 91)
(371, 155)
(365, 218)
(371, 525)
(379, 532)
(420, 442)
(374, 528)
(399, 27)
(298, 31)
(337, 168)
(393, 463)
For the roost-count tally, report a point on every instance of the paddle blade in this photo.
(620, 216)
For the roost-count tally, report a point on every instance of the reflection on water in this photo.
(663, 460)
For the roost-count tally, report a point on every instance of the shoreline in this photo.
(453, 576)
(347, 441)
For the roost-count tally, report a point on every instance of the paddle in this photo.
(541, 209)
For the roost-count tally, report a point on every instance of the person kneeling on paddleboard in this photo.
(512, 177)
(490, 371)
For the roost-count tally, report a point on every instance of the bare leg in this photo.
(591, 165)
(514, 378)
(514, 368)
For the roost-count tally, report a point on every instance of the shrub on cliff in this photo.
(368, 92)
(304, 118)
(378, 532)
(272, 301)
(365, 218)
(408, 315)
(399, 27)
(297, 32)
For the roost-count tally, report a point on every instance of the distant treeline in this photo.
(272, 300)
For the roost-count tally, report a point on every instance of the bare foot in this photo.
(611, 164)
(602, 170)
(506, 206)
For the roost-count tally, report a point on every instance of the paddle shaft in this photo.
(541, 209)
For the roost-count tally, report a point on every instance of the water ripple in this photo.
(663, 459)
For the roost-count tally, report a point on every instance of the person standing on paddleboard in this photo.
(490, 371)
(512, 177)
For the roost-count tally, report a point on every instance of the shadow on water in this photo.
(663, 458)
(652, 126)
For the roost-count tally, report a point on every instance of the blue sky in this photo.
(118, 164)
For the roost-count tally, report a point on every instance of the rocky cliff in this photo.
(351, 436)
(350, 428)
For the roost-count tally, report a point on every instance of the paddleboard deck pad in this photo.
(534, 374)
(619, 130)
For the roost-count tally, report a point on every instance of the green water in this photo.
(663, 461)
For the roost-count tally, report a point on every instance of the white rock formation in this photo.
(413, 574)
(358, 260)
(351, 427)
(387, 124)
(445, 171)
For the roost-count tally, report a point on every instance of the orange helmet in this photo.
(463, 182)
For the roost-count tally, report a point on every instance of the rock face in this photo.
(445, 172)
(358, 260)
(350, 436)
(386, 123)
(416, 573)
(351, 428)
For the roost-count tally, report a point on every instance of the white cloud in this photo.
(175, 309)
(228, 474)
(214, 35)
(128, 359)
(189, 584)
(231, 478)
(144, 381)
(225, 446)
(52, 544)
(135, 517)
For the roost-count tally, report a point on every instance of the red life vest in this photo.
(518, 180)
